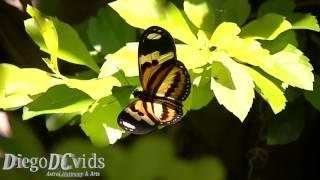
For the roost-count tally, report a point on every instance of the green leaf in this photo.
(48, 33)
(56, 121)
(18, 84)
(144, 13)
(268, 90)
(292, 67)
(125, 59)
(122, 94)
(71, 48)
(58, 99)
(207, 15)
(95, 88)
(201, 13)
(128, 164)
(201, 94)
(314, 96)
(280, 42)
(192, 57)
(248, 51)
(100, 122)
(304, 21)
(226, 31)
(283, 7)
(232, 85)
(267, 27)
(288, 65)
(109, 32)
(287, 126)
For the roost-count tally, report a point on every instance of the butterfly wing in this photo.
(166, 113)
(161, 74)
(156, 53)
(163, 77)
(142, 117)
(137, 119)
(175, 84)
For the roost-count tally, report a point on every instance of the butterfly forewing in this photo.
(176, 83)
(155, 53)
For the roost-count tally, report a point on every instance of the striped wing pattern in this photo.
(163, 78)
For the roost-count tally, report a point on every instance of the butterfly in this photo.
(165, 84)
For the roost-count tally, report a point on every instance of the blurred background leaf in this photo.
(108, 32)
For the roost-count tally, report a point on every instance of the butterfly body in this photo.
(165, 82)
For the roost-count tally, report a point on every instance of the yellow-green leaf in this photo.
(192, 57)
(288, 65)
(100, 122)
(125, 59)
(58, 99)
(267, 27)
(292, 67)
(235, 92)
(71, 47)
(145, 13)
(268, 90)
(95, 88)
(304, 21)
(48, 33)
(17, 84)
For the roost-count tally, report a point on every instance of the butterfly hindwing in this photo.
(166, 113)
(142, 117)
(136, 119)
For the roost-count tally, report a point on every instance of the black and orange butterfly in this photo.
(165, 82)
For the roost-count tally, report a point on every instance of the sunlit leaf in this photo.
(144, 13)
(292, 67)
(108, 32)
(18, 84)
(314, 96)
(201, 13)
(95, 88)
(71, 48)
(192, 57)
(207, 15)
(58, 99)
(268, 90)
(125, 59)
(288, 65)
(100, 122)
(267, 27)
(235, 92)
(48, 33)
(224, 32)
(304, 21)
